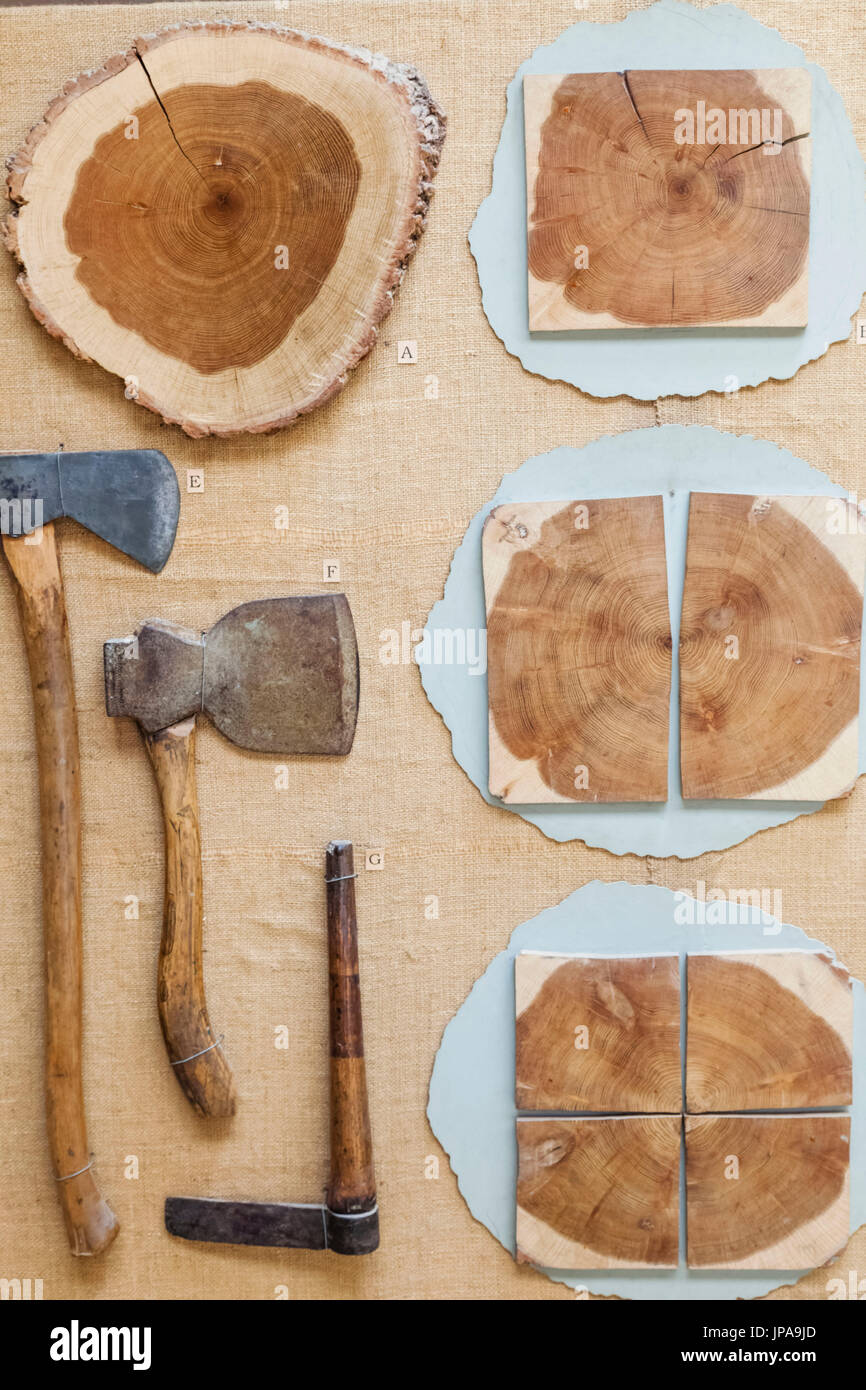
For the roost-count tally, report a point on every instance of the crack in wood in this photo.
(780, 144)
(630, 96)
(162, 108)
(789, 212)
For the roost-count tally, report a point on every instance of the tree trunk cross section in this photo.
(579, 650)
(222, 215)
(770, 647)
(668, 199)
(767, 1033)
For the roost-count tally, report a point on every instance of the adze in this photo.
(347, 1222)
(131, 500)
(277, 675)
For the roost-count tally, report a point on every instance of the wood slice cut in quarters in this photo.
(597, 1033)
(599, 1193)
(766, 1191)
(222, 214)
(579, 650)
(770, 647)
(768, 1030)
(668, 199)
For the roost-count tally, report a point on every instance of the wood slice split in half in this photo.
(599, 1193)
(667, 199)
(221, 216)
(766, 1191)
(768, 1030)
(770, 647)
(579, 650)
(597, 1033)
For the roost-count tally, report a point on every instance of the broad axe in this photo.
(347, 1222)
(130, 499)
(277, 675)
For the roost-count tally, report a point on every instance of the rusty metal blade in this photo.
(281, 675)
(154, 675)
(276, 675)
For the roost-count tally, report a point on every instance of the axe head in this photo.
(277, 675)
(128, 497)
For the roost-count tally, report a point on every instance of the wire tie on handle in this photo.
(341, 878)
(181, 1060)
(67, 1176)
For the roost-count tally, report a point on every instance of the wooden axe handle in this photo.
(352, 1186)
(90, 1222)
(200, 1067)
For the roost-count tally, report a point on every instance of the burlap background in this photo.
(385, 480)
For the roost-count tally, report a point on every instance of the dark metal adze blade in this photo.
(298, 1226)
(292, 1225)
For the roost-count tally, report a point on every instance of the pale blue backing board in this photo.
(672, 460)
(471, 1105)
(646, 363)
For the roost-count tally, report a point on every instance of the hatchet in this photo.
(347, 1222)
(278, 676)
(131, 500)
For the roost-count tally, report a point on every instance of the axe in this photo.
(278, 675)
(347, 1222)
(131, 500)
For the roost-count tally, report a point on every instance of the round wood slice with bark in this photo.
(222, 215)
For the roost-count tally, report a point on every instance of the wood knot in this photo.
(617, 1003)
(720, 619)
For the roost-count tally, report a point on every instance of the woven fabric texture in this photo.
(384, 479)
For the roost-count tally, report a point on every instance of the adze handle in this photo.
(352, 1188)
(90, 1222)
(197, 1060)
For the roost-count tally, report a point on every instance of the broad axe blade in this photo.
(128, 497)
(276, 675)
(292, 1225)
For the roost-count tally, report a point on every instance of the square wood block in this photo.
(599, 1193)
(579, 650)
(668, 199)
(770, 647)
(597, 1033)
(768, 1030)
(766, 1191)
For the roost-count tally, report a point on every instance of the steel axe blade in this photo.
(128, 497)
